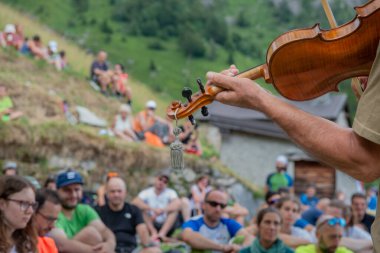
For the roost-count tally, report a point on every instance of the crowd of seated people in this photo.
(13, 37)
(145, 126)
(159, 215)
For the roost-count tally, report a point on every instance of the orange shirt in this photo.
(143, 121)
(46, 245)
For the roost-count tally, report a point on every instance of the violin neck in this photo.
(254, 73)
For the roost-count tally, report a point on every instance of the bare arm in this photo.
(66, 245)
(356, 245)
(248, 238)
(143, 233)
(293, 241)
(339, 147)
(141, 204)
(109, 242)
(197, 241)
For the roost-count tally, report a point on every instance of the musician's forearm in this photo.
(337, 146)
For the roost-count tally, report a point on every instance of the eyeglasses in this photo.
(273, 201)
(164, 180)
(48, 218)
(215, 204)
(24, 205)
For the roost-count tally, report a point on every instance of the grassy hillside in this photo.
(157, 61)
(78, 58)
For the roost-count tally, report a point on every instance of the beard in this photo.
(69, 207)
(324, 249)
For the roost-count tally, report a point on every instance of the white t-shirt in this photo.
(162, 200)
(301, 233)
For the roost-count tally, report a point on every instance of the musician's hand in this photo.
(240, 92)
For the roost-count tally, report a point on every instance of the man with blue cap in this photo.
(79, 228)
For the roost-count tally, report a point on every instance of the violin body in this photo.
(307, 63)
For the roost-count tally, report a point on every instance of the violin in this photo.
(305, 63)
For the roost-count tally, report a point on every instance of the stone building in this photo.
(249, 143)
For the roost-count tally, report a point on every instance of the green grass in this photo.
(174, 70)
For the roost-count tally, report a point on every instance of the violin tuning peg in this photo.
(201, 86)
(192, 120)
(204, 111)
(186, 93)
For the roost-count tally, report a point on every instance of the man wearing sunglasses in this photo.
(329, 231)
(212, 232)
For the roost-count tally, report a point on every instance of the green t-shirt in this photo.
(312, 249)
(82, 216)
(5, 103)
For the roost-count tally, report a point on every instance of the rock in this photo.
(225, 182)
(189, 175)
(88, 117)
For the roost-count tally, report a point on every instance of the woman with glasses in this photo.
(269, 224)
(290, 209)
(17, 205)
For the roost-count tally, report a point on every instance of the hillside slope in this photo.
(78, 59)
(156, 59)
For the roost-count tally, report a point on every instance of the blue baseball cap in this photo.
(68, 177)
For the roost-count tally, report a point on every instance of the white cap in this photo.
(151, 104)
(10, 28)
(282, 159)
(53, 46)
(125, 108)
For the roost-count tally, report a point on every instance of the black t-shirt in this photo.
(97, 65)
(367, 221)
(122, 223)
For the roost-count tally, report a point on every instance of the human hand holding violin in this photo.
(241, 92)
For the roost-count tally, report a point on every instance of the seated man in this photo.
(99, 71)
(7, 112)
(151, 128)
(359, 211)
(124, 219)
(160, 206)
(45, 216)
(212, 232)
(79, 228)
(329, 232)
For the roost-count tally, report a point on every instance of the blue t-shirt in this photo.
(313, 201)
(301, 223)
(311, 215)
(222, 233)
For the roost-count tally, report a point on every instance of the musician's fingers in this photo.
(221, 80)
(225, 96)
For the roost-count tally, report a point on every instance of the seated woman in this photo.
(17, 205)
(198, 192)
(269, 224)
(120, 83)
(290, 209)
(122, 124)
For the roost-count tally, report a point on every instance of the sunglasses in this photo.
(164, 180)
(334, 221)
(215, 204)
